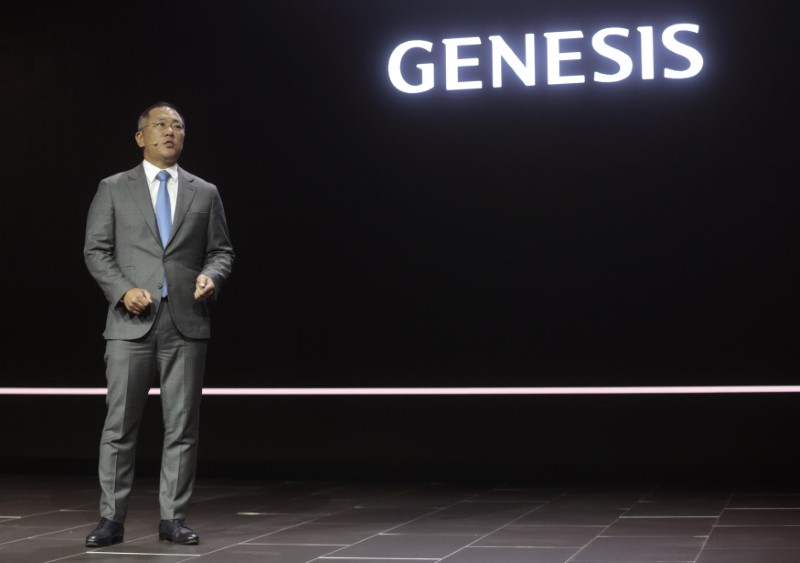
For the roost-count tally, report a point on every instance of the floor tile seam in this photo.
(563, 494)
(531, 547)
(308, 518)
(316, 492)
(478, 520)
(147, 554)
(14, 541)
(501, 527)
(773, 493)
(326, 558)
(388, 530)
(506, 501)
(297, 544)
(442, 533)
(223, 547)
(556, 526)
(683, 505)
(396, 493)
(345, 510)
(421, 516)
(619, 517)
(757, 526)
(265, 510)
(34, 514)
(657, 536)
(484, 536)
(41, 536)
(243, 543)
(255, 513)
(200, 501)
(517, 519)
(91, 552)
(516, 502)
(245, 488)
(351, 507)
(650, 491)
(765, 548)
(289, 527)
(762, 508)
(78, 540)
(9, 524)
(446, 504)
(714, 524)
(671, 517)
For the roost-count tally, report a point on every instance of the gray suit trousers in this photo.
(131, 369)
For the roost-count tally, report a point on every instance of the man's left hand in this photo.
(203, 288)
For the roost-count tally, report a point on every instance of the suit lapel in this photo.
(186, 192)
(140, 194)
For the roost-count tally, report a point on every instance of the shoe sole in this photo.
(165, 537)
(104, 544)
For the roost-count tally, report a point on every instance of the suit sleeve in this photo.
(219, 249)
(99, 243)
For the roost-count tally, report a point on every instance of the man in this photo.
(157, 244)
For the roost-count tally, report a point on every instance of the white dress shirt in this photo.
(150, 171)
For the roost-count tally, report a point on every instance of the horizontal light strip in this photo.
(352, 391)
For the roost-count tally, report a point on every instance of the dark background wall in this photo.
(637, 233)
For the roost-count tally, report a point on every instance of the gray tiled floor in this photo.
(46, 518)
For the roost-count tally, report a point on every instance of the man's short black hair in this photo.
(142, 122)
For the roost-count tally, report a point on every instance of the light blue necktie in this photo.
(163, 215)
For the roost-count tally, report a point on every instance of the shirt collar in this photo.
(150, 170)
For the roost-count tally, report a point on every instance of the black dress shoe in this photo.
(176, 532)
(107, 532)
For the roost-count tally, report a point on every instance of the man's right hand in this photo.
(136, 300)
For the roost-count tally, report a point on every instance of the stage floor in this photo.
(45, 518)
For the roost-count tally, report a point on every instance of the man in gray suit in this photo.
(157, 243)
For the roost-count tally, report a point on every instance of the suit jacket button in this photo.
(158, 285)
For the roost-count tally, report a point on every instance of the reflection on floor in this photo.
(45, 518)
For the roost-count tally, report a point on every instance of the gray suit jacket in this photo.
(123, 250)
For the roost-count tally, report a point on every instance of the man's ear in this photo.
(138, 136)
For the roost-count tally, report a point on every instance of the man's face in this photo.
(162, 137)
